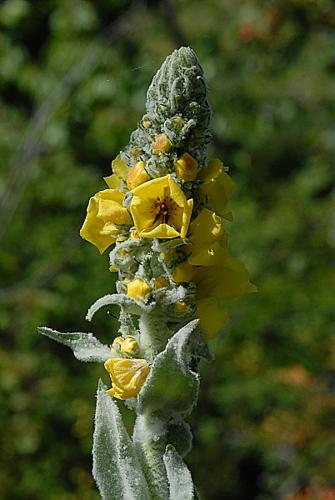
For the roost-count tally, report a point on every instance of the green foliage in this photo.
(73, 76)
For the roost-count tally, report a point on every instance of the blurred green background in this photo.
(73, 77)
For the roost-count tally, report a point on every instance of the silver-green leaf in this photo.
(172, 387)
(85, 346)
(180, 480)
(116, 468)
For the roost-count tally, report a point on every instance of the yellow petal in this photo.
(113, 210)
(92, 228)
(217, 187)
(212, 171)
(186, 218)
(206, 228)
(161, 231)
(127, 375)
(183, 273)
(206, 256)
(176, 193)
(228, 279)
(138, 290)
(113, 181)
(212, 317)
(119, 168)
(104, 213)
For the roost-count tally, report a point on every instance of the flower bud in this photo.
(138, 290)
(161, 282)
(186, 167)
(180, 306)
(161, 144)
(124, 346)
(137, 175)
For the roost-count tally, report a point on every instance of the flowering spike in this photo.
(163, 217)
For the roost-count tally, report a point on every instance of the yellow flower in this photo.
(127, 375)
(126, 345)
(186, 167)
(105, 215)
(138, 290)
(136, 175)
(183, 273)
(212, 316)
(120, 171)
(228, 278)
(161, 144)
(160, 209)
(217, 188)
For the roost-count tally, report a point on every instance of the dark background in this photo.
(73, 77)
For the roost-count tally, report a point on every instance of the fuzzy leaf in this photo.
(85, 346)
(179, 477)
(116, 469)
(180, 436)
(172, 365)
(117, 299)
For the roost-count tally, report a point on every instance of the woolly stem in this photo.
(154, 333)
(150, 443)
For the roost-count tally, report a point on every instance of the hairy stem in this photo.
(150, 443)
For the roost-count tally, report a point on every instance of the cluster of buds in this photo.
(163, 217)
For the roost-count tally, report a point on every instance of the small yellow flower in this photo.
(136, 175)
(212, 316)
(186, 167)
(105, 215)
(160, 209)
(120, 171)
(183, 273)
(127, 375)
(146, 123)
(135, 151)
(217, 188)
(161, 144)
(138, 290)
(161, 282)
(180, 306)
(178, 122)
(123, 252)
(126, 345)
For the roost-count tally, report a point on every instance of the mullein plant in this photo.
(162, 217)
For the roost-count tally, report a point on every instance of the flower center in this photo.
(163, 209)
